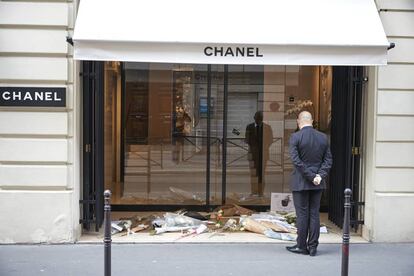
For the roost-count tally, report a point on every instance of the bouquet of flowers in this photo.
(299, 106)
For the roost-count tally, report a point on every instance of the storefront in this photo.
(174, 123)
(159, 100)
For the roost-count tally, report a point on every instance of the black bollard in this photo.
(346, 236)
(107, 233)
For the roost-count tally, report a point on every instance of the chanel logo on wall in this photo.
(33, 96)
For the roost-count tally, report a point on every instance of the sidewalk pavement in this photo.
(204, 259)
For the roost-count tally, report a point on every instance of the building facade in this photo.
(389, 166)
(40, 164)
(41, 167)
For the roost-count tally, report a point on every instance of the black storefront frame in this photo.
(347, 104)
(93, 184)
(92, 201)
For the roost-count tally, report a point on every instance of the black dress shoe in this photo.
(290, 247)
(312, 252)
(297, 250)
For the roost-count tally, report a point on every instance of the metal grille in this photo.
(347, 92)
(92, 192)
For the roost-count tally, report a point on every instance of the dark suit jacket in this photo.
(311, 155)
(265, 141)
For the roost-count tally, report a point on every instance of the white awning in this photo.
(268, 32)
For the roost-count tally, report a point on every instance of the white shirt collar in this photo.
(305, 125)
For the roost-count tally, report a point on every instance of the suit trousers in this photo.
(307, 203)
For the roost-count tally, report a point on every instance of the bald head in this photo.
(304, 119)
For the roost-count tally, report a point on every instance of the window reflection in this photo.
(156, 130)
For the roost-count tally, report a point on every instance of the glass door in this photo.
(263, 104)
(165, 160)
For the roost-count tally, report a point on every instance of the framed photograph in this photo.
(282, 202)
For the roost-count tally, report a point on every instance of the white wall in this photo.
(39, 147)
(390, 181)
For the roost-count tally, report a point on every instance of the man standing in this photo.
(312, 159)
(259, 137)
